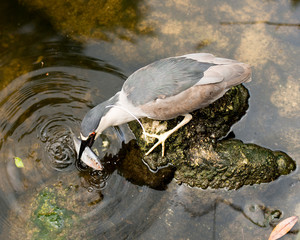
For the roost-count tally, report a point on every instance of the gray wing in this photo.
(164, 78)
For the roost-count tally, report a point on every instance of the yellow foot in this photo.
(161, 140)
(163, 137)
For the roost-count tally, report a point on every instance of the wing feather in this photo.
(164, 78)
(171, 76)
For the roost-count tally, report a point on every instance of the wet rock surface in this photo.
(232, 164)
(201, 159)
(136, 171)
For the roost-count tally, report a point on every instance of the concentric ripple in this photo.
(41, 111)
(38, 111)
(58, 143)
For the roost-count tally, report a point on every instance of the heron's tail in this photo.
(239, 73)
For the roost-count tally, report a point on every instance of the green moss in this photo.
(50, 220)
(231, 164)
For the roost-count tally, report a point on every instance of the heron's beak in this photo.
(89, 142)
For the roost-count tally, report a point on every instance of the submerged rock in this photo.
(231, 164)
(50, 218)
(201, 159)
(134, 170)
(55, 209)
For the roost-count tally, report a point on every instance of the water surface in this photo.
(57, 62)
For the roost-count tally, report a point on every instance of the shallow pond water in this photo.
(60, 59)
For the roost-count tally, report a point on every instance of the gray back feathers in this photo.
(163, 78)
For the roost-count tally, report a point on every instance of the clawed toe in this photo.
(161, 140)
(163, 137)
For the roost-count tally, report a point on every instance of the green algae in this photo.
(56, 209)
(232, 164)
(51, 219)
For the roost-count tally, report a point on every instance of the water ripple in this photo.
(41, 111)
(58, 143)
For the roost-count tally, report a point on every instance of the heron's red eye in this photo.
(92, 134)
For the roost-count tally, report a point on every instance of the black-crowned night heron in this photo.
(164, 90)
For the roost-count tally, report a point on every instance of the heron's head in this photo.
(95, 122)
(90, 128)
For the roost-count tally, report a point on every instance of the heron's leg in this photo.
(163, 137)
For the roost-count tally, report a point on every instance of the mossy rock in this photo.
(134, 170)
(50, 218)
(231, 164)
(201, 159)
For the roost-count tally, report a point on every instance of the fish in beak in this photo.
(86, 143)
(86, 154)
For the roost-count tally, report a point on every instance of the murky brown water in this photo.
(58, 60)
